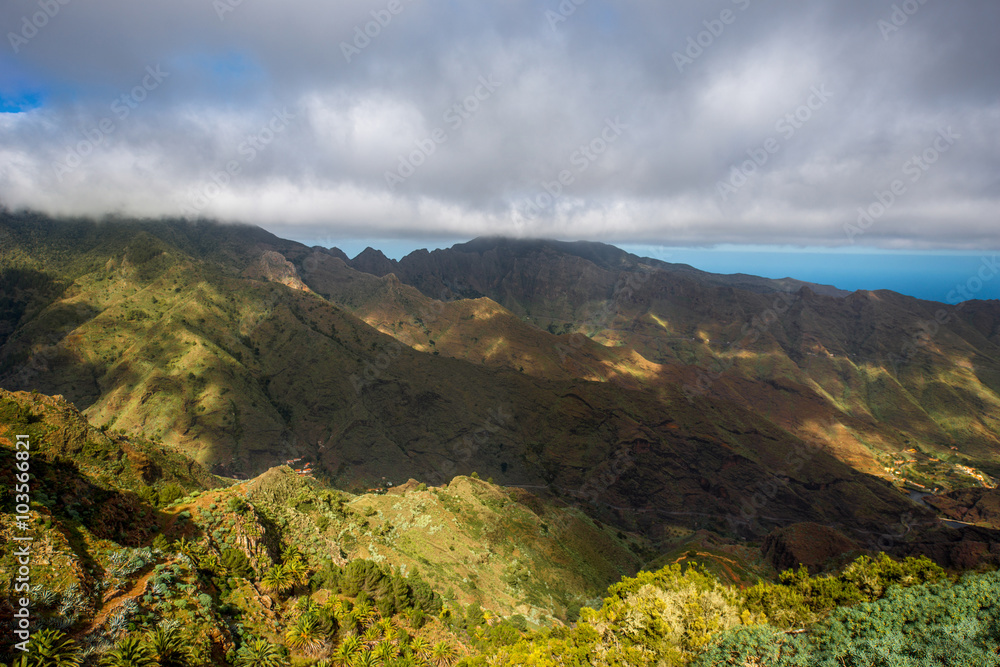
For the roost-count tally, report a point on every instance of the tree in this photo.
(474, 616)
(51, 648)
(423, 595)
(168, 647)
(298, 571)
(386, 651)
(364, 613)
(306, 636)
(372, 636)
(277, 580)
(443, 654)
(130, 652)
(421, 648)
(365, 659)
(188, 548)
(347, 651)
(259, 653)
(402, 593)
(236, 563)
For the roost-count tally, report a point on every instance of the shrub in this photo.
(800, 599)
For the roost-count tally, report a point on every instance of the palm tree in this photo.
(364, 612)
(297, 570)
(259, 653)
(168, 647)
(421, 648)
(366, 659)
(305, 606)
(277, 580)
(51, 648)
(339, 607)
(371, 636)
(188, 548)
(209, 561)
(443, 654)
(306, 636)
(385, 652)
(346, 652)
(129, 652)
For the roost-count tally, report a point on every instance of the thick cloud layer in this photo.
(729, 121)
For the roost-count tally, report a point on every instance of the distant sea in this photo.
(925, 275)
(932, 276)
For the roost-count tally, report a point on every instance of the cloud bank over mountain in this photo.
(733, 121)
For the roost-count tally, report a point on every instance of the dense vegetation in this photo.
(218, 573)
(877, 612)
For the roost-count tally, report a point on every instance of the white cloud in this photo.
(657, 183)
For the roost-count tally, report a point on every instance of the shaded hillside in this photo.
(246, 351)
(909, 374)
(138, 552)
(129, 535)
(476, 330)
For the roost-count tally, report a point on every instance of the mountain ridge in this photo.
(634, 394)
(603, 255)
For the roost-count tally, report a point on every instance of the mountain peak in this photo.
(373, 261)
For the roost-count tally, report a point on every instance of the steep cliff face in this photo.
(272, 267)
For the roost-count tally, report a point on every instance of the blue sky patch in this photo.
(19, 103)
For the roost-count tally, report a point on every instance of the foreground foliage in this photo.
(877, 612)
(928, 624)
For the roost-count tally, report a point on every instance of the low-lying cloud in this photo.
(738, 121)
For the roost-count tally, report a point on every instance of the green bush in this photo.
(944, 624)
(801, 600)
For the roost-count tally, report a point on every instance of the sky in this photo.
(845, 127)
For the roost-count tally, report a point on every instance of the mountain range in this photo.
(653, 396)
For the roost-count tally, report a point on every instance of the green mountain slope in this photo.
(246, 351)
(131, 534)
